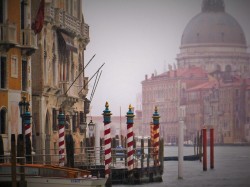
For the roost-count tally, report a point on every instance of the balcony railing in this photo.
(28, 41)
(8, 33)
(64, 20)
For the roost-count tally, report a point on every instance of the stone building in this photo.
(164, 91)
(58, 77)
(221, 104)
(17, 43)
(214, 40)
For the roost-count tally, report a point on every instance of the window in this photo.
(3, 11)
(22, 13)
(14, 67)
(74, 122)
(24, 75)
(3, 120)
(54, 117)
(3, 70)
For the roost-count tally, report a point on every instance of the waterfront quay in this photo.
(232, 169)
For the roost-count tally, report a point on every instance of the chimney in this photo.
(146, 77)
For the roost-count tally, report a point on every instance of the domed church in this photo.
(214, 40)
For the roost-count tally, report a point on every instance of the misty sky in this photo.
(137, 37)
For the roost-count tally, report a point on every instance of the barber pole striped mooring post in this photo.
(107, 139)
(156, 136)
(152, 133)
(61, 124)
(27, 125)
(130, 139)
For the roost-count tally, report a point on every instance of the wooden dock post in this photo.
(142, 153)
(204, 135)
(200, 146)
(13, 160)
(149, 153)
(180, 149)
(212, 148)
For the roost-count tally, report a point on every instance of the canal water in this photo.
(231, 169)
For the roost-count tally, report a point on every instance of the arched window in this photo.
(3, 121)
(54, 65)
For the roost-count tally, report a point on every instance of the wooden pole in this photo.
(204, 135)
(13, 160)
(212, 148)
(200, 146)
(180, 150)
(142, 152)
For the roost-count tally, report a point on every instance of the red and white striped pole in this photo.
(107, 139)
(61, 124)
(130, 139)
(152, 133)
(27, 125)
(156, 136)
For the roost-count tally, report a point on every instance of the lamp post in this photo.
(91, 126)
(23, 107)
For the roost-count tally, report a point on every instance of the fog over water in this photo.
(138, 37)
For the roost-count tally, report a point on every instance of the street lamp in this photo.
(91, 126)
(23, 106)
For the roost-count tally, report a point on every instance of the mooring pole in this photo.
(61, 121)
(107, 143)
(27, 126)
(204, 135)
(130, 142)
(142, 152)
(13, 160)
(156, 136)
(212, 148)
(180, 150)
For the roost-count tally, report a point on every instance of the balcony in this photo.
(65, 21)
(8, 33)
(28, 41)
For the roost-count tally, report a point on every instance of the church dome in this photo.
(213, 26)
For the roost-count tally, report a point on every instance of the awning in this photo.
(66, 42)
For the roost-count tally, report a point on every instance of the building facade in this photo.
(214, 40)
(59, 80)
(17, 43)
(165, 91)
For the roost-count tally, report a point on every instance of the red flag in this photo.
(38, 24)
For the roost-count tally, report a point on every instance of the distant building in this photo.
(164, 91)
(214, 40)
(218, 103)
(17, 43)
(55, 81)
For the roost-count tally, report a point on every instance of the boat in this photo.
(38, 175)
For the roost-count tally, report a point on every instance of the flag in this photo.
(38, 24)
